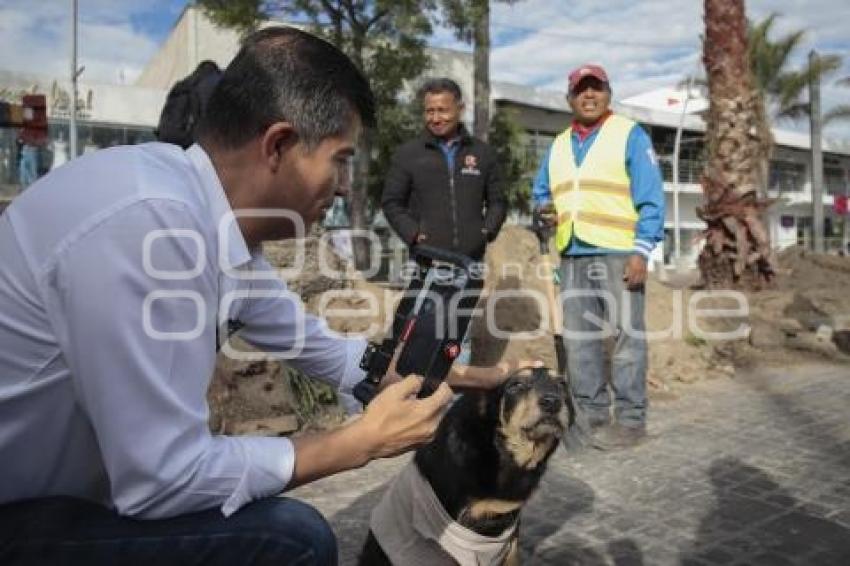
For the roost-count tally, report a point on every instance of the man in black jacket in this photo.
(445, 188)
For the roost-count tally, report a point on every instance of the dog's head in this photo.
(534, 411)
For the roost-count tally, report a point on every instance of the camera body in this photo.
(430, 322)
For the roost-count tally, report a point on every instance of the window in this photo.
(691, 154)
(834, 181)
(786, 176)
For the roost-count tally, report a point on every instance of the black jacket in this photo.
(459, 210)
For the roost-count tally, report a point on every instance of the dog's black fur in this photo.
(490, 452)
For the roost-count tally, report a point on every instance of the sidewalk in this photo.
(751, 470)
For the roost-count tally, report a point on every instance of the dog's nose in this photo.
(550, 402)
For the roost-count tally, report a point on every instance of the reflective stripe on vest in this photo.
(594, 201)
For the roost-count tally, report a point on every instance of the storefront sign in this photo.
(60, 103)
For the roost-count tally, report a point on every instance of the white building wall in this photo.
(171, 62)
(193, 39)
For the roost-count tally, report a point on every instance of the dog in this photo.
(486, 460)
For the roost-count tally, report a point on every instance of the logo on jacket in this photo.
(470, 166)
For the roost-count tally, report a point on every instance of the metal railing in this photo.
(690, 170)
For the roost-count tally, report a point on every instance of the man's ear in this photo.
(278, 138)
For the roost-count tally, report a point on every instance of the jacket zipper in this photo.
(455, 236)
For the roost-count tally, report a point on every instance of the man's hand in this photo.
(396, 421)
(635, 272)
(392, 376)
(548, 215)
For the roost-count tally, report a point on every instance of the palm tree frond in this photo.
(841, 112)
(794, 111)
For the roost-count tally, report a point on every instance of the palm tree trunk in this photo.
(481, 70)
(737, 248)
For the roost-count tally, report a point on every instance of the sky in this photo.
(643, 44)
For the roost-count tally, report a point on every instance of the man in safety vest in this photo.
(601, 186)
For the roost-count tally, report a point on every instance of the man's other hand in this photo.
(396, 421)
(548, 215)
(635, 272)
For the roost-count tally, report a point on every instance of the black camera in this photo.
(430, 321)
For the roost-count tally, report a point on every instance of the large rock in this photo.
(813, 343)
(825, 332)
(765, 336)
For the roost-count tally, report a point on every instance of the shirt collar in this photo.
(461, 137)
(583, 131)
(232, 246)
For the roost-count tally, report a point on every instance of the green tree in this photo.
(507, 137)
(386, 41)
(471, 21)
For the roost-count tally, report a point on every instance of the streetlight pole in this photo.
(72, 124)
(677, 239)
(817, 156)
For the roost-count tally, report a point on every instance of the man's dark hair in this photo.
(442, 84)
(284, 74)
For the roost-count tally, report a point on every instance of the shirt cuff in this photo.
(269, 465)
(644, 248)
(355, 347)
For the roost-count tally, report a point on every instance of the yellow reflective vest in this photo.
(594, 201)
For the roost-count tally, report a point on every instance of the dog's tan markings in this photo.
(525, 452)
(484, 508)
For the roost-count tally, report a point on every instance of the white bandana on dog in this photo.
(413, 529)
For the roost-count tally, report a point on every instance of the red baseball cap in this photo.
(594, 71)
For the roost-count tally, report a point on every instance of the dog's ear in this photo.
(567, 394)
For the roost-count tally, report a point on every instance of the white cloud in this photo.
(35, 37)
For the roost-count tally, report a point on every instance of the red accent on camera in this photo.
(452, 351)
(408, 328)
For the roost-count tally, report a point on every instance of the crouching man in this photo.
(118, 268)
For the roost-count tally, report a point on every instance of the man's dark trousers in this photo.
(64, 530)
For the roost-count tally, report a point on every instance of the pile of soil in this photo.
(805, 314)
(263, 391)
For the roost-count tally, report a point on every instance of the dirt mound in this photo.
(243, 391)
(808, 305)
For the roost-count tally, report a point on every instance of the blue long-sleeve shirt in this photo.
(647, 190)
